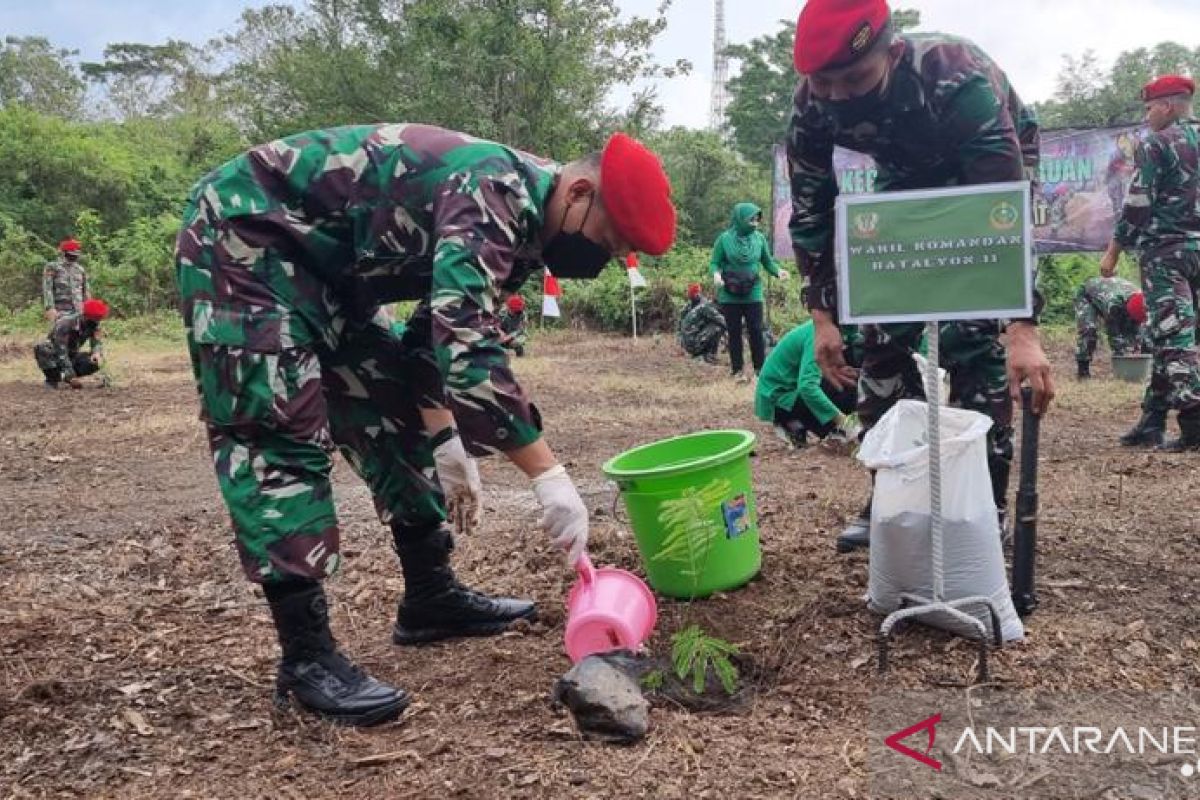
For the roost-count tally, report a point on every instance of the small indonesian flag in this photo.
(550, 295)
(636, 280)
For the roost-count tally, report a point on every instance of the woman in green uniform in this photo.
(739, 255)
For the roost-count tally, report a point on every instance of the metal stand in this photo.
(915, 606)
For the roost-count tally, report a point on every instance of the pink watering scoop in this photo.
(607, 609)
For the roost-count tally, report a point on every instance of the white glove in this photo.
(564, 516)
(850, 426)
(783, 274)
(718, 281)
(459, 476)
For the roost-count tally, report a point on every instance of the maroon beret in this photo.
(1167, 86)
(637, 195)
(833, 33)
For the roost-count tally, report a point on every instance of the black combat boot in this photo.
(312, 669)
(1149, 430)
(1085, 370)
(435, 605)
(858, 533)
(1189, 434)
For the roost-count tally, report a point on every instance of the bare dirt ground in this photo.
(136, 662)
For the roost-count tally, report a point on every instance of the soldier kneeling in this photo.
(60, 357)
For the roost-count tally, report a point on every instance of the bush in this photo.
(28, 321)
(133, 269)
(1060, 276)
(166, 325)
(117, 187)
(603, 304)
(22, 257)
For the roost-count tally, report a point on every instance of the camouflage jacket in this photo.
(67, 336)
(1105, 299)
(389, 212)
(699, 323)
(1162, 206)
(514, 325)
(1107, 295)
(64, 286)
(949, 117)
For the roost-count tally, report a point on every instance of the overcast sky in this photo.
(1027, 37)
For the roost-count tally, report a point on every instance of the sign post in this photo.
(927, 256)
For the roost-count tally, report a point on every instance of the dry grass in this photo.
(1102, 396)
(144, 361)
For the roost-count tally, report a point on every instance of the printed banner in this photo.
(1082, 178)
(935, 254)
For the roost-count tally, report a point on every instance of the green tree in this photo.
(707, 179)
(533, 73)
(40, 77)
(761, 93)
(119, 171)
(119, 187)
(154, 80)
(1086, 95)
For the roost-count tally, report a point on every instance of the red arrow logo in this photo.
(930, 725)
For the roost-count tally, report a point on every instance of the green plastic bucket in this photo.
(1135, 368)
(691, 505)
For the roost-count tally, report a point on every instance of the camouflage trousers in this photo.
(1122, 334)
(973, 355)
(702, 341)
(51, 365)
(286, 376)
(1170, 280)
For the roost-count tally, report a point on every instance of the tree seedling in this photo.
(693, 652)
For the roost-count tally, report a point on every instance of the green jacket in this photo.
(742, 248)
(791, 375)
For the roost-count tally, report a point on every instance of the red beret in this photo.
(95, 309)
(1168, 85)
(833, 33)
(637, 195)
(694, 290)
(68, 246)
(516, 303)
(1136, 307)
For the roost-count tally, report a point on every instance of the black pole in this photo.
(1025, 527)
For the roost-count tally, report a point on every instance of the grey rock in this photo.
(604, 698)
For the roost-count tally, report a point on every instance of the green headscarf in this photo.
(740, 241)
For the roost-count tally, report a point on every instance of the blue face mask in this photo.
(573, 255)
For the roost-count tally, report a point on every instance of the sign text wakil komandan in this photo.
(964, 252)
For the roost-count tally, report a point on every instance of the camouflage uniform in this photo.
(1102, 301)
(949, 117)
(64, 286)
(286, 253)
(701, 327)
(59, 357)
(1161, 219)
(514, 326)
